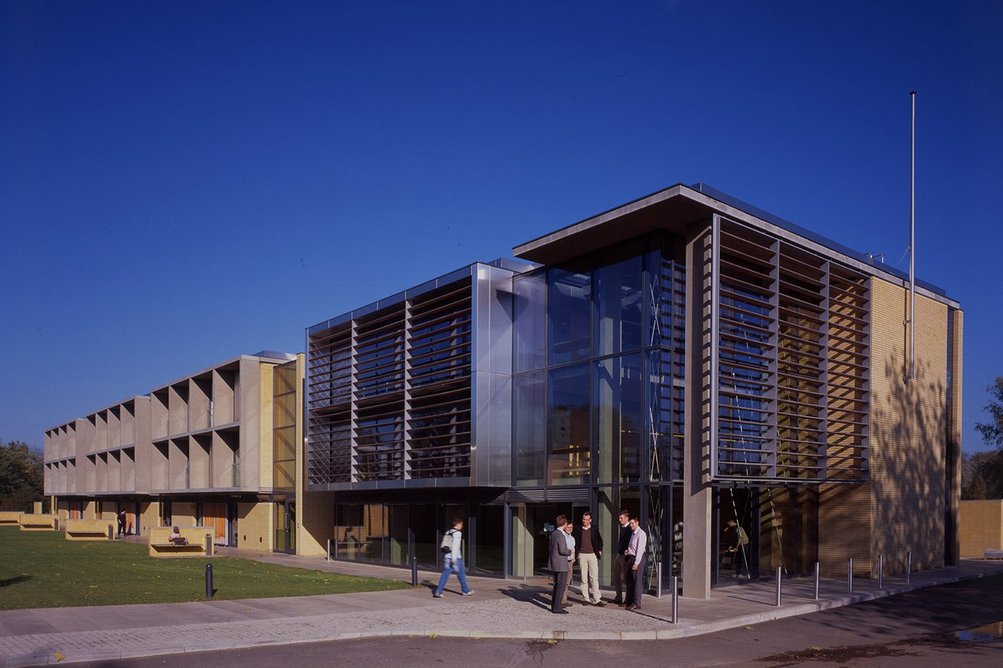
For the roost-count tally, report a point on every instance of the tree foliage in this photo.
(992, 431)
(21, 478)
(982, 472)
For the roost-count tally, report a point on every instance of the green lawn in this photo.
(43, 570)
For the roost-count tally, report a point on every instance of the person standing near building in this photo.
(637, 550)
(559, 564)
(452, 559)
(620, 562)
(121, 521)
(570, 538)
(739, 544)
(589, 546)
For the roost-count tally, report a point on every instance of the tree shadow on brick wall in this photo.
(910, 459)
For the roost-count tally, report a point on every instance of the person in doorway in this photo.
(559, 564)
(589, 547)
(620, 562)
(636, 554)
(452, 560)
(121, 522)
(569, 537)
(738, 542)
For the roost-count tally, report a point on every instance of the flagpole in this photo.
(912, 242)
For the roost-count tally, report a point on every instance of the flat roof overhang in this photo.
(678, 208)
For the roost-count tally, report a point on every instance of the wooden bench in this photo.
(10, 517)
(198, 538)
(90, 529)
(993, 554)
(38, 522)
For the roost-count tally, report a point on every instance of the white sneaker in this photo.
(469, 593)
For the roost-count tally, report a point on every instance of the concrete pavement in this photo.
(499, 609)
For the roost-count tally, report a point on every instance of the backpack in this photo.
(446, 546)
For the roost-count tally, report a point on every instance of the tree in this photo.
(21, 477)
(992, 432)
(982, 472)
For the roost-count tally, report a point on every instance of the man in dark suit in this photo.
(620, 561)
(559, 553)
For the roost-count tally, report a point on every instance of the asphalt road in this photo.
(916, 629)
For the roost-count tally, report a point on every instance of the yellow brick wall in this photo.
(908, 437)
(845, 526)
(981, 527)
(182, 514)
(255, 526)
(149, 516)
(90, 510)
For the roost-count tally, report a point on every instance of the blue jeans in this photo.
(450, 566)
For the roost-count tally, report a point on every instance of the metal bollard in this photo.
(209, 591)
(881, 572)
(849, 575)
(780, 576)
(675, 599)
(328, 557)
(414, 571)
(658, 575)
(908, 566)
(816, 580)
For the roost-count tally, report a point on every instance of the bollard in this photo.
(328, 557)
(675, 599)
(816, 580)
(780, 576)
(209, 591)
(849, 575)
(414, 571)
(881, 572)
(658, 586)
(908, 566)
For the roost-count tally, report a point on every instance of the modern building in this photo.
(687, 357)
(217, 448)
(710, 368)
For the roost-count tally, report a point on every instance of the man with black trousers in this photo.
(559, 553)
(637, 553)
(620, 561)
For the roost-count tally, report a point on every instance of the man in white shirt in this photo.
(452, 561)
(636, 554)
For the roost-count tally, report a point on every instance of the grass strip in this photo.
(43, 570)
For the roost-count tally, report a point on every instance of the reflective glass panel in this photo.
(619, 307)
(569, 316)
(569, 425)
(619, 419)
(530, 315)
(530, 427)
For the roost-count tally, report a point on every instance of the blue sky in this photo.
(181, 182)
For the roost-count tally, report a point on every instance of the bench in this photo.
(10, 517)
(38, 522)
(993, 554)
(198, 538)
(90, 529)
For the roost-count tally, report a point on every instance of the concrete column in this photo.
(697, 496)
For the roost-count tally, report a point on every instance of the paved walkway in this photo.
(499, 609)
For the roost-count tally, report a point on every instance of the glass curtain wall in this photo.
(598, 389)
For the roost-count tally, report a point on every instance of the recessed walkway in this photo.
(499, 609)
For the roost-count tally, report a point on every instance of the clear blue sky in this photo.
(181, 182)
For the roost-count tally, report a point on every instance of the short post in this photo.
(675, 599)
(208, 545)
(816, 580)
(328, 557)
(414, 571)
(209, 591)
(881, 572)
(849, 575)
(658, 576)
(780, 575)
(908, 566)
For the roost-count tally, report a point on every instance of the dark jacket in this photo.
(624, 541)
(559, 551)
(596, 540)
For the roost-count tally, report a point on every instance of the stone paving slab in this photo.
(501, 609)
